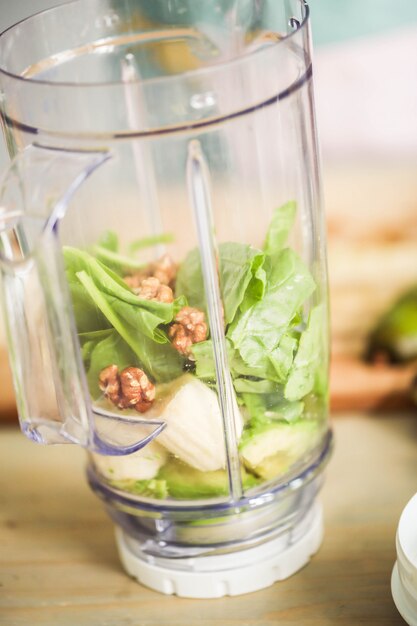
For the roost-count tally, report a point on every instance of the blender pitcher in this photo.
(163, 267)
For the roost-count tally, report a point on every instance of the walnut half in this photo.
(130, 388)
(152, 289)
(189, 327)
(109, 383)
(164, 269)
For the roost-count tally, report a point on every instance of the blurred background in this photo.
(366, 93)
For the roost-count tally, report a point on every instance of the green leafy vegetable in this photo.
(261, 334)
(204, 360)
(147, 242)
(264, 408)
(241, 277)
(147, 314)
(119, 312)
(108, 351)
(87, 318)
(109, 240)
(89, 341)
(280, 226)
(101, 296)
(118, 262)
(255, 386)
(308, 358)
(275, 355)
(274, 364)
(138, 328)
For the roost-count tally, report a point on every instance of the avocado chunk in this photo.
(146, 488)
(185, 482)
(269, 450)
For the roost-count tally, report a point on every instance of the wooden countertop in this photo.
(59, 564)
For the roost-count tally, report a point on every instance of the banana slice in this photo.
(141, 465)
(194, 431)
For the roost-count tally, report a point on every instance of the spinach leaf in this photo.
(189, 280)
(118, 262)
(270, 407)
(263, 361)
(77, 260)
(262, 334)
(138, 328)
(203, 356)
(308, 358)
(271, 369)
(89, 341)
(204, 360)
(102, 300)
(94, 335)
(108, 282)
(280, 226)
(109, 240)
(111, 350)
(241, 278)
(252, 386)
(147, 242)
(87, 317)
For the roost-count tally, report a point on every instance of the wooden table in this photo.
(59, 564)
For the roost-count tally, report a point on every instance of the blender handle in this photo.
(52, 396)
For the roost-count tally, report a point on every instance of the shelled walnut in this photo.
(152, 289)
(133, 281)
(130, 388)
(164, 270)
(189, 327)
(109, 383)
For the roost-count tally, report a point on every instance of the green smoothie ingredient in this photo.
(150, 319)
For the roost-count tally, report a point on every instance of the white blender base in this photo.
(229, 574)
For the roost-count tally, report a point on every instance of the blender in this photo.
(163, 265)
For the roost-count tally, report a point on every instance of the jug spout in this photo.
(53, 401)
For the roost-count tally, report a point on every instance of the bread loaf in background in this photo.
(372, 238)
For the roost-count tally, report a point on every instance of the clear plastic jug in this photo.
(163, 264)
